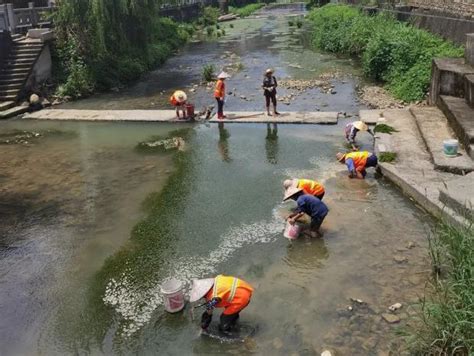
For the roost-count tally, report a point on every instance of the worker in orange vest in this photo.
(178, 100)
(219, 94)
(309, 186)
(357, 162)
(230, 293)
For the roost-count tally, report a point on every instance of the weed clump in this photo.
(384, 128)
(208, 72)
(387, 157)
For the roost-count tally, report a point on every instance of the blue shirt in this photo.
(312, 206)
(350, 165)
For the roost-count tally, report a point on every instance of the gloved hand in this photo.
(206, 319)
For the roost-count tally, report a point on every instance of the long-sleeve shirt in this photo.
(351, 132)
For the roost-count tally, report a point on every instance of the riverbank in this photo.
(391, 52)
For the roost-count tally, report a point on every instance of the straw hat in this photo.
(289, 183)
(340, 156)
(290, 192)
(180, 96)
(34, 99)
(360, 125)
(269, 71)
(223, 75)
(199, 288)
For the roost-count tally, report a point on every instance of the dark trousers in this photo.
(220, 107)
(228, 321)
(320, 196)
(316, 222)
(270, 97)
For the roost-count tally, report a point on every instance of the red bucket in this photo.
(189, 110)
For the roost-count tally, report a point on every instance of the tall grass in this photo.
(246, 10)
(392, 52)
(446, 323)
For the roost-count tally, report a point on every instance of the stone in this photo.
(390, 318)
(277, 343)
(400, 259)
(326, 353)
(458, 194)
(395, 307)
(411, 245)
(358, 301)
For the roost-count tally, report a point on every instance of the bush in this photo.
(209, 16)
(208, 72)
(392, 52)
(246, 10)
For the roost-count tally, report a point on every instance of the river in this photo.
(90, 226)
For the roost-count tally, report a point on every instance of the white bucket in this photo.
(450, 147)
(292, 231)
(173, 295)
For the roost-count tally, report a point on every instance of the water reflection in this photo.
(223, 144)
(271, 144)
(306, 254)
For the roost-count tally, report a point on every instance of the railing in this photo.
(20, 20)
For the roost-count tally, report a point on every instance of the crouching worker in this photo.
(309, 186)
(357, 162)
(352, 129)
(230, 293)
(178, 100)
(309, 205)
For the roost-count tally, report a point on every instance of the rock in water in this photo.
(390, 318)
(395, 306)
(277, 343)
(326, 353)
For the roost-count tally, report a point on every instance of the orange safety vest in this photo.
(233, 292)
(219, 91)
(359, 158)
(310, 186)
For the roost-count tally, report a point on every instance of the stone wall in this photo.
(460, 7)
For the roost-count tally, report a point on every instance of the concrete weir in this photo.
(327, 118)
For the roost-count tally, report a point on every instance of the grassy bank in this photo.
(446, 323)
(392, 52)
(246, 10)
(101, 45)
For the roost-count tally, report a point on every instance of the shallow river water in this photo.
(90, 227)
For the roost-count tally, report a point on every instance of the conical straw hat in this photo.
(199, 288)
(361, 126)
(180, 96)
(223, 75)
(290, 192)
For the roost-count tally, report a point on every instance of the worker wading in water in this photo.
(309, 186)
(309, 205)
(178, 100)
(269, 91)
(230, 293)
(357, 162)
(219, 94)
(352, 129)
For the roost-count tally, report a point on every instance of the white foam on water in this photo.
(136, 306)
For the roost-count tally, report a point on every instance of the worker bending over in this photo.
(230, 293)
(178, 100)
(352, 129)
(309, 186)
(357, 162)
(309, 205)
(219, 94)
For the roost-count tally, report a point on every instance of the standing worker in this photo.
(269, 91)
(230, 293)
(309, 186)
(309, 205)
(178, 100)
(357, 162)
(352, 129)
(219, 94)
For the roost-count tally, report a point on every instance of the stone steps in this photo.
(461, 118)
(459, 195)
(14, 111)
(434, 129)
(5, 105)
